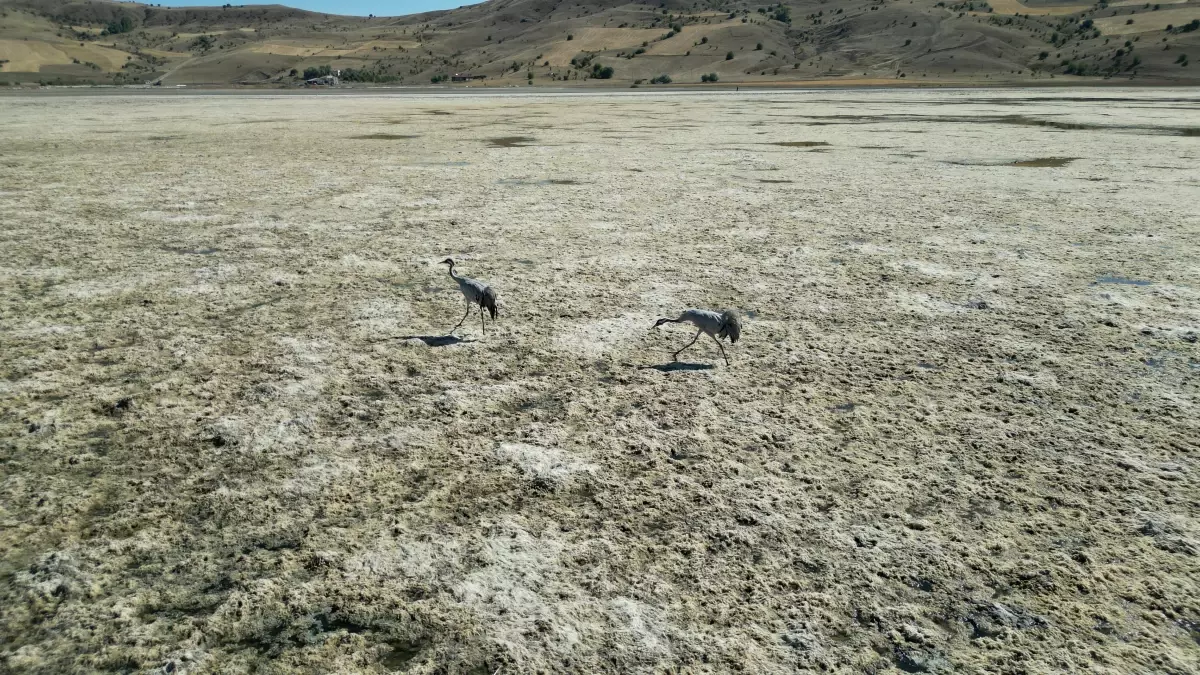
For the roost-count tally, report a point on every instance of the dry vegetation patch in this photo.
(959, 431)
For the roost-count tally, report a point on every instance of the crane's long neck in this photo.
(452, 274)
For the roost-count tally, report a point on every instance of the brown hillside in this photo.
(518, 42)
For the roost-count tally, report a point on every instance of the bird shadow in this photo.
(433, 340)
(677, 365)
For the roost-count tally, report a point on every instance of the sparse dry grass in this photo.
(1017, 7)
(595, 39)
(1147, 22)
(23, 56)
(959, 434)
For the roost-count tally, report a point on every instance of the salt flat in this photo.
(959, 434)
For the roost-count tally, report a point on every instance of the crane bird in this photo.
(477, 293)
(716, 325)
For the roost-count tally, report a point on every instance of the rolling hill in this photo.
(560, 42)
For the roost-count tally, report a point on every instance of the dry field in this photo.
(960, 433)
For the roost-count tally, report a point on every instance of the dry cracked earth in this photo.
(960, 433)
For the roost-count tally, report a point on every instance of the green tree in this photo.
(122, 25)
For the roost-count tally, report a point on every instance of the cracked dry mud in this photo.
(959, 434)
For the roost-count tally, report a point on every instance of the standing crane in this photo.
(477, 293)
(716, 325)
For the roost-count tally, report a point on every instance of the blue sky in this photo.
(358, 7)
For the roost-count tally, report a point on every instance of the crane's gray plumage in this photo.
(477, 293)
(717, 325)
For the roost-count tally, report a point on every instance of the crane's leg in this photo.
(463, 319)
(675, 356)
(481, 321)
(722, 348)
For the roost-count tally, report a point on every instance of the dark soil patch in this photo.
(511, 141)
(206, 250)
(1046, 162)
(1113, 279)
(385, 137)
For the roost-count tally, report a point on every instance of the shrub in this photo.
(782, 14)
(729, 56)
(600, 72)
(317, 71)
(440, 77)
(711, 77)
(364, 75)
(570, 37)
(203, 43)
(678, 28)
(907, 43)
(704, 40)
(661, 79)
(758, 47)
(1043, 56)
(293, 73)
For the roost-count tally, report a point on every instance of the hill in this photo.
(520, 42)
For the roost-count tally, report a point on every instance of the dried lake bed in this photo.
(960, 433)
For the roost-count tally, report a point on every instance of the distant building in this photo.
(466, 77)
(324, 80)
